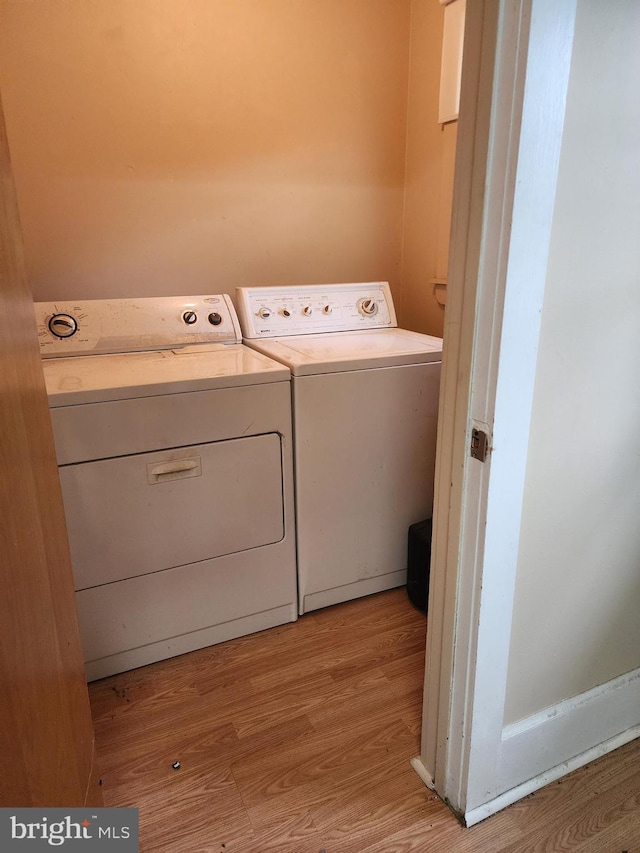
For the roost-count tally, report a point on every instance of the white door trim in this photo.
(515, 76)
(479, 41)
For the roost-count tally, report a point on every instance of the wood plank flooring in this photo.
(298, 740)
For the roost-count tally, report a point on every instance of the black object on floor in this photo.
(419, 563)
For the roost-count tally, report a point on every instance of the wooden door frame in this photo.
(46, 732)
(516, 69)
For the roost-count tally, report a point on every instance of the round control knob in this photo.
(368, 307)
(327, 309)
(307, 310)
(264, 313)
(63, 325)
(285, 312)
(190, 317)
(214, 318)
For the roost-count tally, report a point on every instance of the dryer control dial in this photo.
(368, 306)
(63, 325)
(264, 313)
(190, 317)
(307, 310)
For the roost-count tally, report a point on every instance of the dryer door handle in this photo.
(174, 469)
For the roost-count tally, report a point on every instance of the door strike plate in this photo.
(479, 443)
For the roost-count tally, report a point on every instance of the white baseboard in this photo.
(487, 809)
(570, 728)
(423, 773)
(551, 743)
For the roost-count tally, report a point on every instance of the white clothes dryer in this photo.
(174, 449)
(365, 403)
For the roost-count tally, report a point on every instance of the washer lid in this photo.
(101, 378)
(307, 355)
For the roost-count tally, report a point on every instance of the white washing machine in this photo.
(174, 448)
(365, 403)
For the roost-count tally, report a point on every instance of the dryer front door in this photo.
(147, 512)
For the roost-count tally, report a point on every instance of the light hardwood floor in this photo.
(298, 740)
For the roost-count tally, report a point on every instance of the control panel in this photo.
(270, 312)
(100, 326)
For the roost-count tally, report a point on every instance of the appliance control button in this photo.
(190, 317)
(214, 318)
(264, 313)
(307, 310)
(285, 312)
(63, 325)
(327, 309)
(368, 307)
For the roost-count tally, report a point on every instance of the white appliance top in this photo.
(329, 328)
(103, 350)
(123, 376)
(333, 353)
(270, 312)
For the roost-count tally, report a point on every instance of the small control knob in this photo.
(190, 317)
(307, 310)
(327, 309)
(63, 325)
(214, 318)
(368, 307)
(285, 312)
(264, 313)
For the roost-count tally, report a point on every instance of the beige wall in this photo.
(428, 178)
(163, 147)
(577, 600)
